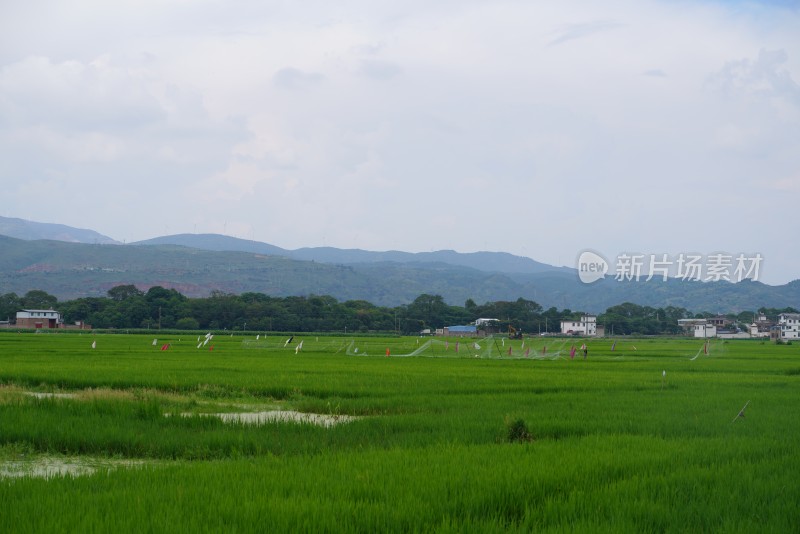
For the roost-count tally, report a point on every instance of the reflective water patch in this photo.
(279, 416)
(50, 466)
(39, 395)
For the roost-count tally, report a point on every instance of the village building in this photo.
(702, 328)
(586, 326)
(775, 332)
(789, 324)
(487, 326)
(38, 319)
(720, 322)
(460, 331)
(705, 330)
(45, 320)
(760, 326)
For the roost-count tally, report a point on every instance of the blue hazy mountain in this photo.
(501, 262)
(29, 230)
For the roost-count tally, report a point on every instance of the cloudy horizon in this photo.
(538, 129)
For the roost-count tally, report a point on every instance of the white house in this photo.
(790, 325)
(705, 330)
(38, 319)
(698, 327)
(756, 330)
(587, 326)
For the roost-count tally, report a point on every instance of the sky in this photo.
(542, 129)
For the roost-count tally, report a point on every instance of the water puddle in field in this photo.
(50, 395)
(278, 416)
(51, 467)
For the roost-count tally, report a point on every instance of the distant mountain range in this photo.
(501, 262)
(22, 229)
(84, 263)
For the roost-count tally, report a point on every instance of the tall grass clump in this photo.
(517, 431)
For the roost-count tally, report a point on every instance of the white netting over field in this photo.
(489, 347)
(492, 347)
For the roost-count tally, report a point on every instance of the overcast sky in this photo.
(535, 128)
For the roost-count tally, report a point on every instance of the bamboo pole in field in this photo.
(741, 412)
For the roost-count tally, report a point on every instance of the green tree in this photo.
(38, 299)
(187, 323)
(124, 292)
(10, 304)
(164, 305)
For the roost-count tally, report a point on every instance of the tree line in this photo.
(127, 307)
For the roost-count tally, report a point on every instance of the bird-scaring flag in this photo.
(298, 348)
(94, 344)
(705, 347)
(527, 352)
(509, 351)
(572, 353)
(155, 342)
(456, 347)
(544, 349)
(613, 346)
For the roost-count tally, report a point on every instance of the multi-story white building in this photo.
(789, 324)
(698, 327)
(587, 326)
(705, 330)
(38, 319)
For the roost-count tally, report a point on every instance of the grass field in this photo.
(644, 438)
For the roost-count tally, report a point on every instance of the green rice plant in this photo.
(641, 438)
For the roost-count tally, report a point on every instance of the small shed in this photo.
(461, 331)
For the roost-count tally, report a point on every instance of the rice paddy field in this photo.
(249, 433)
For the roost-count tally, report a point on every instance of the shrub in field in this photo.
(517, 430)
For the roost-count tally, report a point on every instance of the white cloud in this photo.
(579, 31)
(291, 78)
(502, 125)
